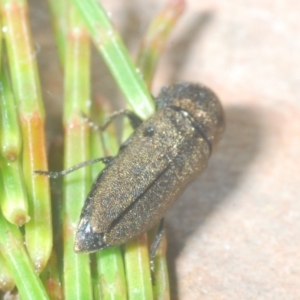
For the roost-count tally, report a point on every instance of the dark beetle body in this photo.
(152, 168)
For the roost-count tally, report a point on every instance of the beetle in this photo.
(152, 168)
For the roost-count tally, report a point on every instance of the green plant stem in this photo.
(102, 111)
(161, 287)
(110, 275)
(109, 43)
(77, 274)
(155, 38)
(59, 21)
(12, 248)
(137, 269)
(14, 203)
(27, 93)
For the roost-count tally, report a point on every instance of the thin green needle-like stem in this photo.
(102, 111)
(137, 268)
(14, 203)
(161, 288)
(109, 43)
(26, 87)
(110, 274)
(77, 274)
(12, 248)
(155, 38)
(111, 277)
(59, 22)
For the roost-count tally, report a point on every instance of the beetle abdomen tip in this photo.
(87, 240)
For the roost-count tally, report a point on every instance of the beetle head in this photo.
(200, 103)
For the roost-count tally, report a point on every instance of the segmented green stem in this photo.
(59, 11)
(110, 274)
(111, 46)
(12, 248)
(26, 87)
(154, 41)
(77, 274)
(14, 201)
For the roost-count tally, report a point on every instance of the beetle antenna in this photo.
(105, 160)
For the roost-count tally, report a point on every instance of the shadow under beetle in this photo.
(153, 167)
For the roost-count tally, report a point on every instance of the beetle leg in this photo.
(134, 119)
(105, 160)
(155, 244)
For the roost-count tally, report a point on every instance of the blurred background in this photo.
(235, 233)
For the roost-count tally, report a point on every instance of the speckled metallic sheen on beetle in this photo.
(153, 167)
